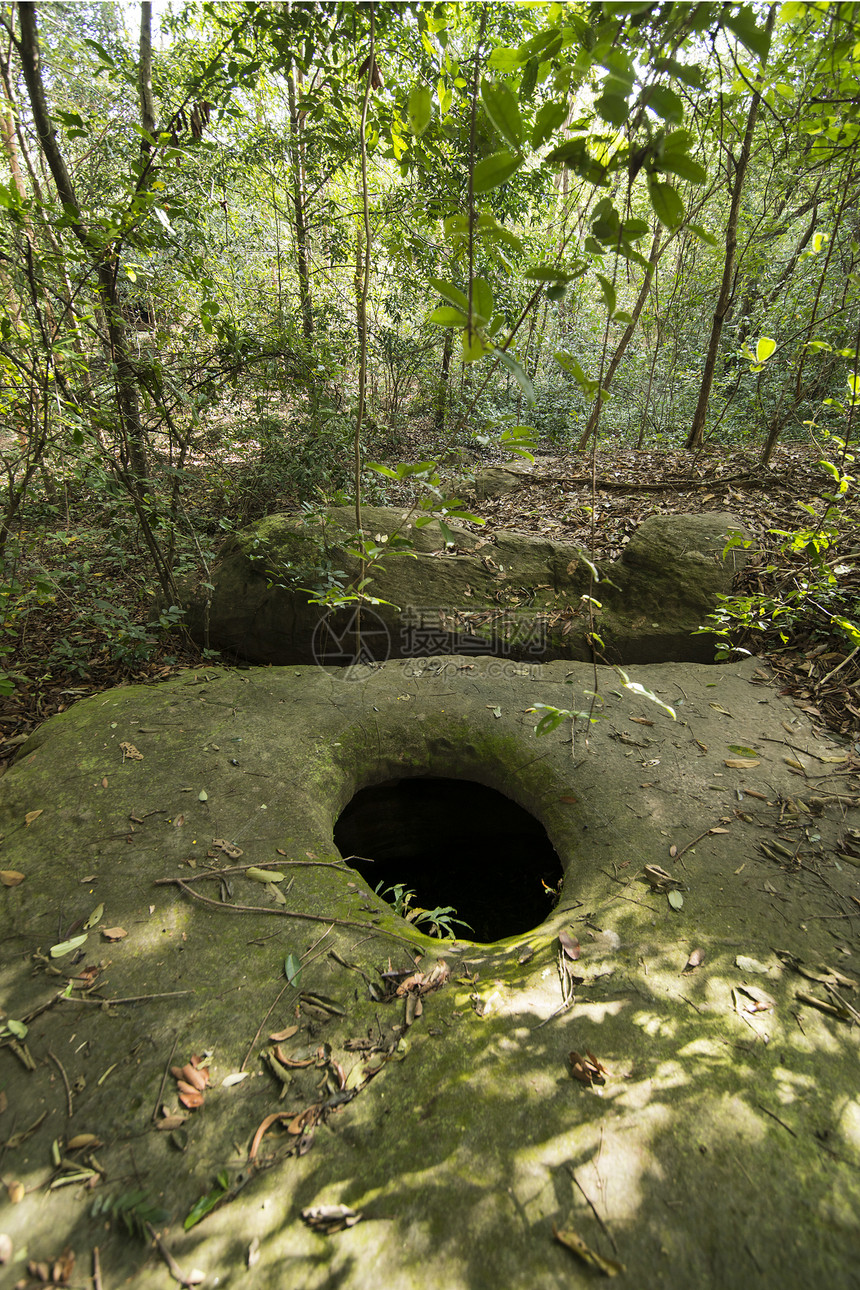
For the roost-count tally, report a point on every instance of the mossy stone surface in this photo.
(723, 1148)
(513, 595)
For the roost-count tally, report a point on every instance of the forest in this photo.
(272, 257)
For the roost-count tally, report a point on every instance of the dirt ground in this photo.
(658, 1080)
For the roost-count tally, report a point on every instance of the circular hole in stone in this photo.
(453, 842)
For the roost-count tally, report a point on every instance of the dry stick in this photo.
(283, 913)
(59, 1066)
(603, 1226)
(157, 1106)
(172, 1266)
(826, 678)
(782, 1123)
(684, 850)
(132, 998)
(277, 1001)
(97, 1269)
(269, 864)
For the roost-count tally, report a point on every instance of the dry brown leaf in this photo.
(284, 1034)
(114, 933)
(198, 1078)
(11, 877)
(31, 816)
(83, 1140)
(189, 1097)
(16, 1191)
(609, 1267)
(751, 999)
(741, 763)
(569, 945)
(130, 753)
(588, 1070)
(230, 850)
(695, 960)
(170, 1122)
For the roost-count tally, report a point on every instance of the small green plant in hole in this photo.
(440, 921)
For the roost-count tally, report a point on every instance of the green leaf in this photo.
(613, 108)
(450, 293)
(505, 59)
(482, 300)
(633, 229)
(680, 164)
(667, 203)
(575, 155)
(66, 947)
(495, 170)
(703, 235)
(666, 103)
(95, 917)
(546, 273)
(549, 117)
(570, 364)
(608, 293)
(743, 24)
(206, 1203)
(519, 373)
(500, 105)
(635, 687)
(448, 316)
(16, 1028)
(676, 900)
(420, 109)
(764, 348)
(473, 345)
(161, 216)
(293, 970)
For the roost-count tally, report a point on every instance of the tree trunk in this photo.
(128, 402)
(627, 336)
(444, 375)
(302, 259)
(144, 77)
(697, 429)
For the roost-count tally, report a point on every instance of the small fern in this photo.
(134, 1208)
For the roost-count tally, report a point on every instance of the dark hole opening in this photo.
(453, 843)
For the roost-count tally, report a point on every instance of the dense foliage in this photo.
(310, 237)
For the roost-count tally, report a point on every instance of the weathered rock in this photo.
(514, 595)
(722, 1148)
(497, 481)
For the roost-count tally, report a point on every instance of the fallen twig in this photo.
(157, 1107)
(603, 1226)
(182, 884)
(172, 1266)
(277, 1000)
(132, 998)
(59, 1066)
